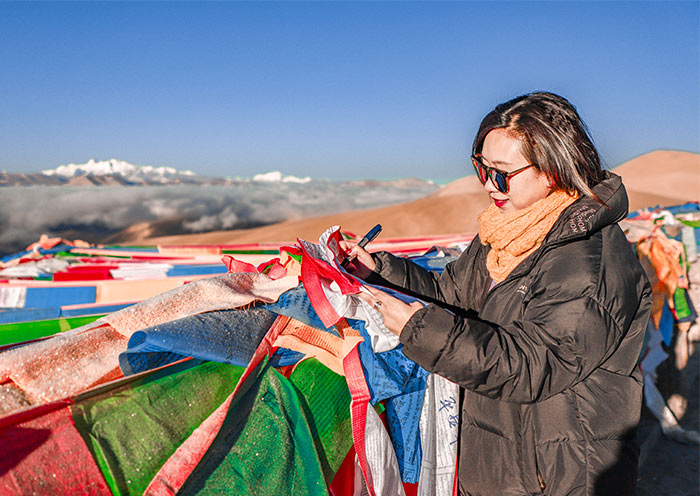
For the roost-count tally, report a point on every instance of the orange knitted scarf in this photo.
(515, 235)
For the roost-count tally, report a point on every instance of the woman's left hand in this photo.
(395, 312)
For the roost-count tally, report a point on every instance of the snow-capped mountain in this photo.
(115, 172)
(138, 174)
(278, 177)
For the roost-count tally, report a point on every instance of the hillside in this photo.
(657, 178)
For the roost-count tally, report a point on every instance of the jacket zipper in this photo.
(548, 247)
(543, 486)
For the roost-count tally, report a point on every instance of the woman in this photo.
(541, 320)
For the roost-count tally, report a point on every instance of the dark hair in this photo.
(553, 137)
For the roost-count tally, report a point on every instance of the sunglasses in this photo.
(499, 178)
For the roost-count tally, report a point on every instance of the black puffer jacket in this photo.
(547, 357)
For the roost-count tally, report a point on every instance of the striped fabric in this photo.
(276, 420)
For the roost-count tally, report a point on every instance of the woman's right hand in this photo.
(361, 264)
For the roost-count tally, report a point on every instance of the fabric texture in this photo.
(240, 459)
(227, 336)
(133, 430)
(223, 292)
(176, 470)
(333, 292)
(387, 461)
(65, 364)
(119, 433)
(25, 331)
(46, 455)
(390, 377)
(310, 436)
(547, 357)
(75, 360)
(515, 235)
(400, 383)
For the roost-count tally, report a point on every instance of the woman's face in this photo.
(503, 152)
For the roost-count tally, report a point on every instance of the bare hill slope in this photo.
(657, 178)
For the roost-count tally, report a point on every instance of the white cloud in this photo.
(28, 212)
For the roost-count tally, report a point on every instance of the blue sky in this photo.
(333, 89)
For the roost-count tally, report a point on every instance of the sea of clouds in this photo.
(96, 214)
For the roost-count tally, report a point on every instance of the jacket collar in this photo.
(586, 216)
(582, 218)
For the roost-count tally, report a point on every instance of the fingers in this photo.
(368, 298)
(395, 312)
(350, 248)
(361, 264)
(379, 300)
(374, 299)
(372, 291)
(347, 245)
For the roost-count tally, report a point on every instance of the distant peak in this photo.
(278, 177)
(116, 167)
